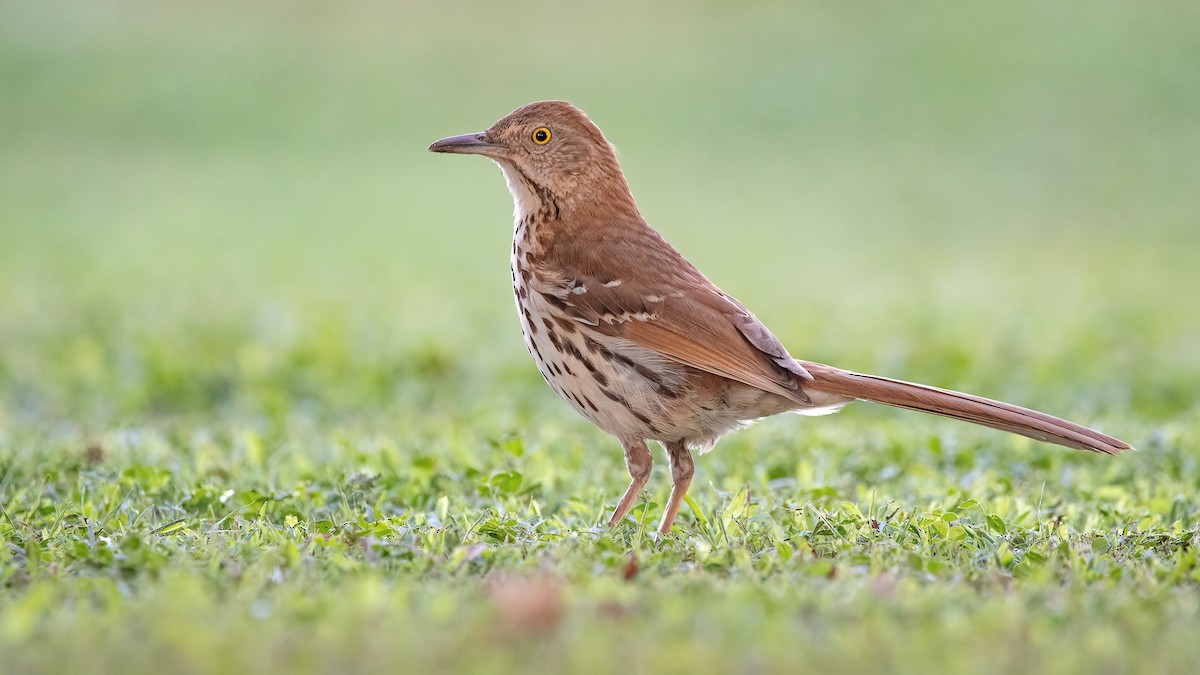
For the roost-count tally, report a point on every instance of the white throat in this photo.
(525, 202)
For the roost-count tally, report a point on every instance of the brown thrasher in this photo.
(638, 341)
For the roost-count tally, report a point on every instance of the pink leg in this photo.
(682, 468)
(639, 462)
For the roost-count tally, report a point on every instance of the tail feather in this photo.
(957, 405)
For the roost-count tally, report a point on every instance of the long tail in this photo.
(960, 406)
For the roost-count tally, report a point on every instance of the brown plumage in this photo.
(638, 341)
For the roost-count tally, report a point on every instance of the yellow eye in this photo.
(541, 135)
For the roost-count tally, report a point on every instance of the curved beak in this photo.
(466, 144)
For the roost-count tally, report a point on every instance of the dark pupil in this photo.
(540, 135)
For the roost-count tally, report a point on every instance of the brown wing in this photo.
(692, 323)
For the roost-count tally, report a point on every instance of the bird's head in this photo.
(552, 156)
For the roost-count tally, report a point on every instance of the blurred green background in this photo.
(228, 261)
(972, 194)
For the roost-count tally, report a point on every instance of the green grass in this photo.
(264, 405)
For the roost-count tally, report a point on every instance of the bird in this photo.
(639, 342)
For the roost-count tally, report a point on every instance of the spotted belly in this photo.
(583, 373)
(630, 391)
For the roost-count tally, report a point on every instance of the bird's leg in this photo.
(639, 462)
(681, 474)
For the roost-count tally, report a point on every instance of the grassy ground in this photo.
(264, 405)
